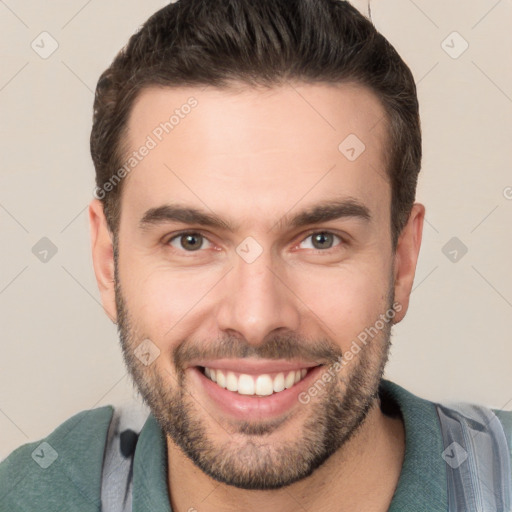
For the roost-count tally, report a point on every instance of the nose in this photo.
(258, 299)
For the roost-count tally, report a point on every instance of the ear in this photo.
(406, 257)
(103, 257)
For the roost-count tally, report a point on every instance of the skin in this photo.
(252, 156)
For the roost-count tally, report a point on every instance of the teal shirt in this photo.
(65, 474)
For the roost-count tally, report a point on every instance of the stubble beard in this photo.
(255, 461)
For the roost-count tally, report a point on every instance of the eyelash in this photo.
(343, 241)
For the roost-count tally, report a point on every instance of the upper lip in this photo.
(255, 366)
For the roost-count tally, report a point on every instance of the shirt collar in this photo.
(150, 490)
(422, 483)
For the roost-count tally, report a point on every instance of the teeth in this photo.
(289, 381)
(246, 385)
(262, 385)
(221, 379)
(231, 381)
(279, 382)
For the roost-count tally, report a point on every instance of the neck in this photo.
(361, 475)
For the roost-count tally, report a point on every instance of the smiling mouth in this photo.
(264, 384)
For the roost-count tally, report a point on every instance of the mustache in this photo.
(278, 346)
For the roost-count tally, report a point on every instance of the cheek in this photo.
(163, 301)
(346, 300)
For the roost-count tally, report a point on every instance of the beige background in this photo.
(60, 353)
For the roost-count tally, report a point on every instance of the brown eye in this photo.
(189, 241)
(322, 240)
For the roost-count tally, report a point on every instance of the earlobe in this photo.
(406, 258)
(103, 257)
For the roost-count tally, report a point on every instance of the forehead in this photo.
(255, 149)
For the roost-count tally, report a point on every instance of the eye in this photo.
(321, 240)
(190, 241)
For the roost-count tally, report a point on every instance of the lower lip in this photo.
(251, 407)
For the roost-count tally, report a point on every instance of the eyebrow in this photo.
(316, 214)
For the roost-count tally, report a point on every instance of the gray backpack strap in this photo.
(477, 459)
(116, 478)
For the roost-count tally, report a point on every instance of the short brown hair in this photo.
(263, 42)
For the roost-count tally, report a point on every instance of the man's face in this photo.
(264, 296)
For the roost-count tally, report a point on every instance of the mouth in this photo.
(264, 384)
(247, 390)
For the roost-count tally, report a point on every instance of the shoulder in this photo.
(484, 431)
(62, 468)
(505, 418)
